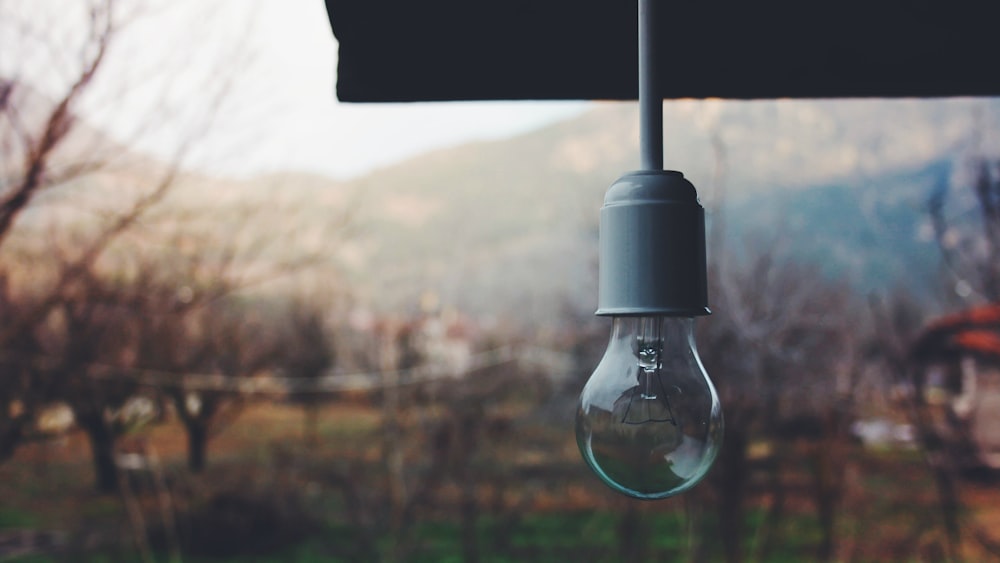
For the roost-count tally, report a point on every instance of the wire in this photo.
(284, 385)
(650, 97)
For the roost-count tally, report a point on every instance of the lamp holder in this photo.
(652, 248)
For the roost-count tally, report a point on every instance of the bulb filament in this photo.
(651, 390)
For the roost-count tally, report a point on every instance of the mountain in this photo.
(508, 228)
(874, 233)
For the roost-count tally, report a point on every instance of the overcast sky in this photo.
(288, 91)
(299, 53)
(283, 115)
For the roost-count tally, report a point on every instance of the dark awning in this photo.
(409, 50)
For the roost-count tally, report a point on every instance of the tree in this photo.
(965, 216)
(898, 319)
(192, 323)
(23, 382)
(89, 336)
(239, 346)
(36, 139)
(61, 61)
(966, 220)
(307, 353)
(774, 347)
(174, 339)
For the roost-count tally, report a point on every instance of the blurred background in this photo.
(242, 321)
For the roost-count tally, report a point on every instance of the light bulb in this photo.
(649, 422)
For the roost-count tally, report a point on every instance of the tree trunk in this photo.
(734, 470)
(310, 431)
(102, 449)
(775, 514)
(468, 503)
(11, 432)
(469, 509)
(631, 535)
(197, 434)
(824, 498)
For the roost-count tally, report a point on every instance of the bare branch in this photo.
(58, 124)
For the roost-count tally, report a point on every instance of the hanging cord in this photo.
(650, 98)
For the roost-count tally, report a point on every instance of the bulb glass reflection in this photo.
(649, 422)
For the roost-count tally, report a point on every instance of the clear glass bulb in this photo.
(649, 422)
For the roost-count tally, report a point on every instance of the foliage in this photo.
(551, 508)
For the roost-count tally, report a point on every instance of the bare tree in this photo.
(240, 345)
(898, 320)
(24, 383)
(36, 138)
(59, 62)
(966, 219)
(173, 340)
(773, 347)
(194, 321)
(89, 339)
(193, 316)
(307, 353)
(443, 432)
(966, 222)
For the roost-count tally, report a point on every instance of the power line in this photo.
(555, 363)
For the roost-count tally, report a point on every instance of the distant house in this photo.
(958, 362)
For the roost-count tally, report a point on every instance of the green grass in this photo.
(14, 518)
(562, 536)
(566, 515)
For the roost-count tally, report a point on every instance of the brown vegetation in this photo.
(158, 338)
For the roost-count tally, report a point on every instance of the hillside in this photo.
(508, 228)
(875, 233)
(511, 225)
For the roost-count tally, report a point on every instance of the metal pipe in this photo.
(650, 98)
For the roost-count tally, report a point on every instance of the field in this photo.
(517, 493)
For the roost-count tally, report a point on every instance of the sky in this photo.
(317, 132)
(281, 108)
(276, 60)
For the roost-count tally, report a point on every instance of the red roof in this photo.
(973, 332)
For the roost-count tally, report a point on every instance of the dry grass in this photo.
(888, 510)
